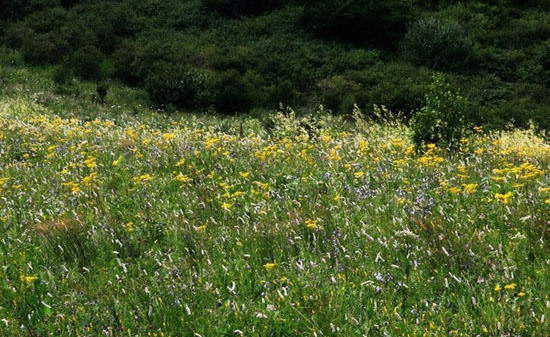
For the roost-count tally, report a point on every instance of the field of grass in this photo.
(142, 225)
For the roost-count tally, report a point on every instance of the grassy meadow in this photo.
(137, 224)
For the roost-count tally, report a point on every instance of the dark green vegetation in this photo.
(235, 56)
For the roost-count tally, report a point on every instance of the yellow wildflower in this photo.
(311, 224)
(130, 133)
(518, 185)
(263, 186)
(430, 161)
(88, 180)
(226, 206)
(200, 229)
(469, 188)
(168, 137)
(498, 288)
(129, 226)
(28, 278)
(455, 190)
(326, 138)
(359, 174)
(90, 163)
(3, 181)
(398, 142)
(143, 179)
(182, 178)
(333, 155)
(238, 194)
(117, 161)
(244, 174)
(269, 266)
(504, 198)
(510, 286)
(400, 162)
(73, 187)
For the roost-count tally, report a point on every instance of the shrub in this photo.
(43, 48)
(62, 75)
(380, 23)
(17, 9)
(174, 85)
(64, 81)
(400, 87)
(16, 34)
(47, 20)
(442, 119)
(9, 57)
(230, 93)
(236, 8)
(86, 63)
(338, 93)
(437, 44)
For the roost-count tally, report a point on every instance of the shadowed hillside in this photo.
(236, 56)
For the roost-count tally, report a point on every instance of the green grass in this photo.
(139, 224)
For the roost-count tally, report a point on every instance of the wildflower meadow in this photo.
(313, 226)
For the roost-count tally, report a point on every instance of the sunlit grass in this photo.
(312, 227)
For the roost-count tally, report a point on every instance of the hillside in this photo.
(239, 56)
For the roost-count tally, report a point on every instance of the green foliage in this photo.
(258, 54)
(437, 44)
(237, 8)
(186, 224)
(43, 49)
(400, 87)
(338, 93)
(379, 23)
(175, 86)
(442, 120)
(64, 82)
(230, 93)
(13, 10)
(86, 62)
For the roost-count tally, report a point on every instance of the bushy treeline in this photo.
(232, 56)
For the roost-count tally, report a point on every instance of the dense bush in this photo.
(86, 63)
(175, 86)
(44, 48)
(338, 93)
(236, 8)
(15, 34)
(63, 79)
(379, 23)
(441, 120)
(238, 55)
(400, 87)
(230, 93)
(13, 10)
(110, 23)
(437, 44)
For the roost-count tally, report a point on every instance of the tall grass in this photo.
(312, 227)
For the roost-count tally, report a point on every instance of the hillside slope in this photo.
(236, 56)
